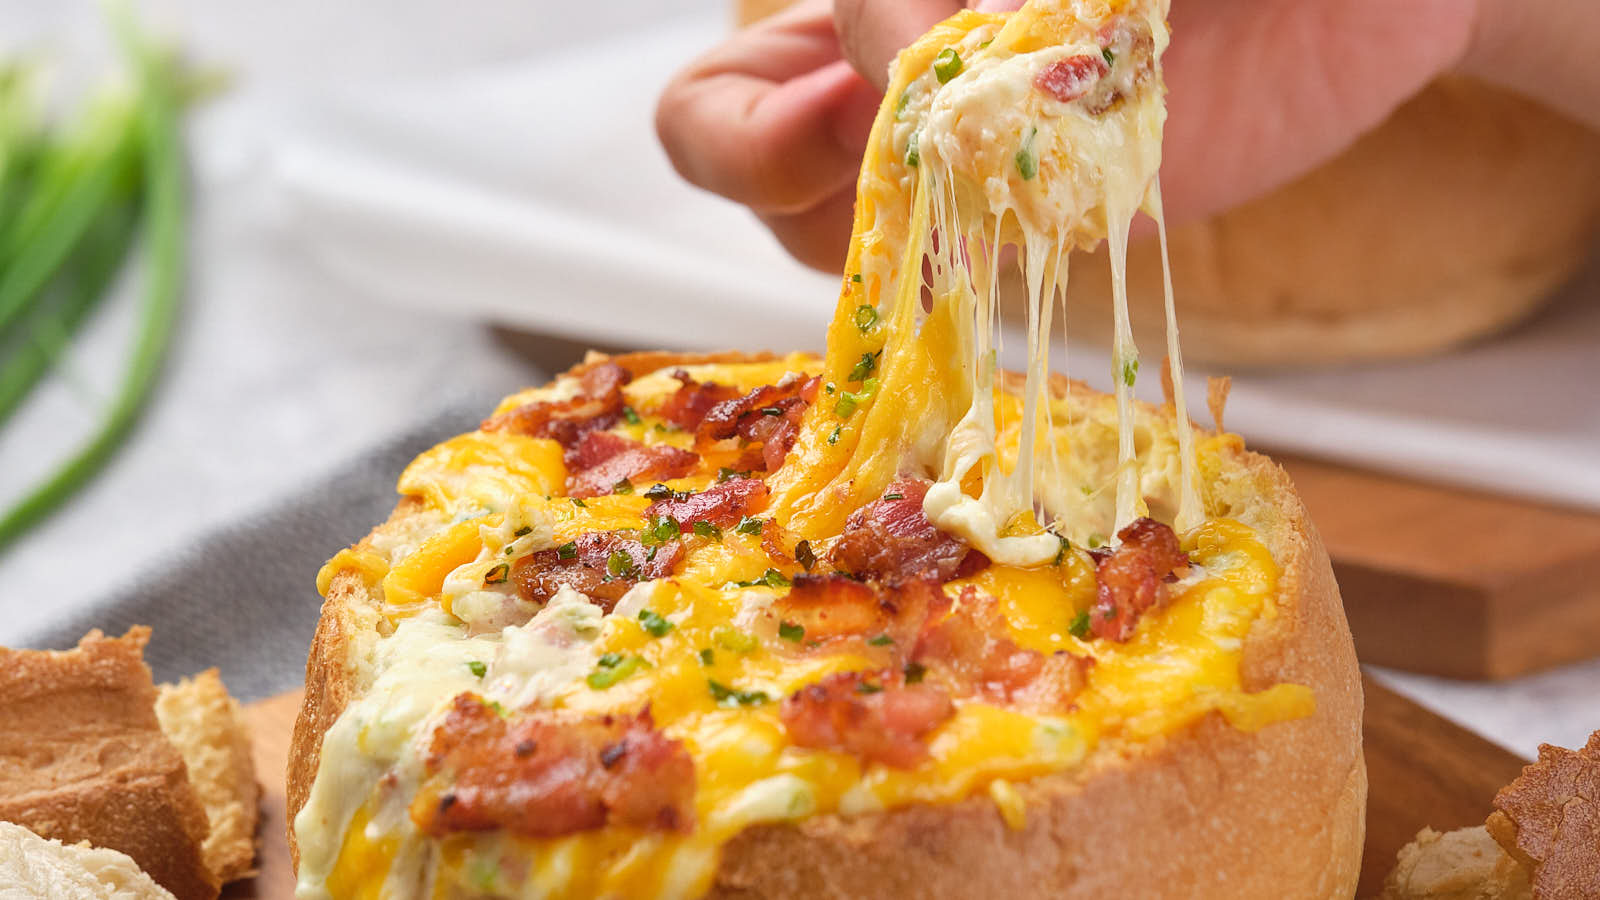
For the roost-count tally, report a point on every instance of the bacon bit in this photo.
(601, 460)
(1071, 78)
(1131, 577)
(891, 539)
(721, 504)
(596, 406)
(768, 416)
(873, 715)
(544, 774)
(969, 649)
(587, 568)
(688, 405)
(1549, 820)
(775, 541)
(831, 607)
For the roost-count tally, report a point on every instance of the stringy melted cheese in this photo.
(941, 182)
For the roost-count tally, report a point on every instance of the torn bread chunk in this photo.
(35, 868)
(207, 726)
(1465, 864)
(83, 758)
(1549, 820)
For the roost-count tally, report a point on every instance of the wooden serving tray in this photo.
(1500, 587)
(1422, 768)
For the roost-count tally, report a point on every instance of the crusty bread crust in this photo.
(83, 758)
(1209, 811)
(1452, 220)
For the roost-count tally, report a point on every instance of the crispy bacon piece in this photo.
(768, 416)
(1549, 820)
(688, 405)
(969, 650)
(545, 774)
(1130, 577)
(588, 569)
(601, 460)
(1070, 78)
(833, 606)
(891, 539)
(721, 504)
(874, 715)
(597, 405)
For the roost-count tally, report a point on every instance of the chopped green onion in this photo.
(654, 622)
(1080, 625)
(478, 669)
(846, 405)
(1027, 163)
(620, 564)
(915, 672)
(734, 640)
(834, 437)
(866, 316)
(569, 550)
(1096, 540)
(946, 65)
(894, 496)
(1061, 551)
(882, 640)
(912, 156)
(612, 668)
(623, 486)
(867, 687)
(727, 696)
(708, 530)
(791, 631)
(630, 416)
(750, 525)
(1108, 56)
(578, 501)
(772, 410)
(498, 574)
(726, 474)
(864, 366)
(900, 104)
(707, 657)
(660, 530)
(856, 278)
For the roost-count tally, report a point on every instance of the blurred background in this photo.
(399, 212)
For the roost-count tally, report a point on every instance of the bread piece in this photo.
(1450, 221)
(1207, 811)
(207, 726)
(33, 868)
(83, 758)
(1549, 820)
(1465, 864)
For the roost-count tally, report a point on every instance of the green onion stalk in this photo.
(123, 180)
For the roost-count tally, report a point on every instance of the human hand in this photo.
(1260, 92)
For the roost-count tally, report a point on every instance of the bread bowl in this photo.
(1269, 813)
(887, 622)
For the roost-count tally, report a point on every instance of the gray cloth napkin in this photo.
(244, 599)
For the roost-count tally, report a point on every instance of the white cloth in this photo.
(434, 156)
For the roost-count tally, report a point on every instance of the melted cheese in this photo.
(942, 184)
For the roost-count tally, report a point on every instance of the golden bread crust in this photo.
(1498, 202)
(1279, 811)
(83, 758)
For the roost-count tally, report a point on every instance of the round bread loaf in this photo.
(1208, 810)
(1454, 219)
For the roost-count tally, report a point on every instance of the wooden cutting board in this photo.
(1422, 769)
(1500, 586)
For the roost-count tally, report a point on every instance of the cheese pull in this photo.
(1000, 137)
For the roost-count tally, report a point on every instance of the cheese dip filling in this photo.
(645, 609)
